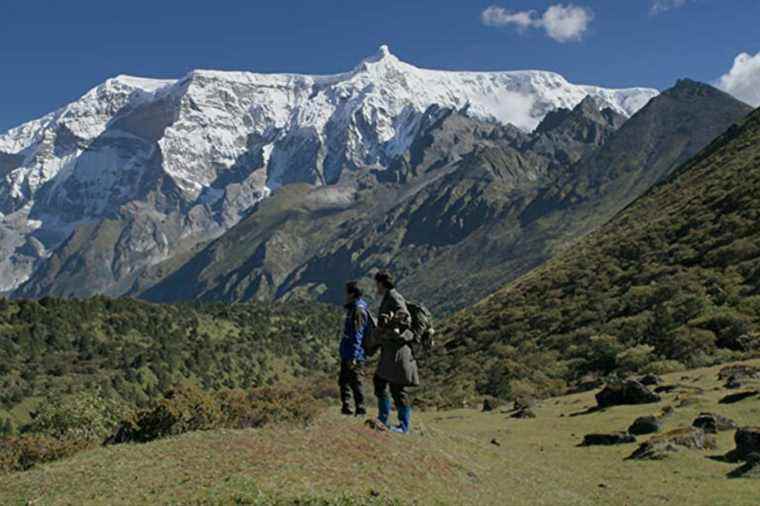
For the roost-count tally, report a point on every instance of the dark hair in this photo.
(352, 288)
(385, 279)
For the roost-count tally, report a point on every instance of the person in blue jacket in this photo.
(352, 351)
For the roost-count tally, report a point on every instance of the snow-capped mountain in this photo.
(175, 163)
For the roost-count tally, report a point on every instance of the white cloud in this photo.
(515, 108)
(659, 6)
(743, 80)
(498, 16)
(563, 23)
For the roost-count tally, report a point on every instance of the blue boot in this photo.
(383, 410)
(404, 419)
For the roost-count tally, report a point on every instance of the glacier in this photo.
(192, 156)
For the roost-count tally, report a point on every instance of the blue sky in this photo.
(51, 52)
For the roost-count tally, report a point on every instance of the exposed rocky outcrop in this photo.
(658, 447)
(747, 441)
(738, 397)
(713, 423)
(627, 392)
(645, 425)
(613, 438)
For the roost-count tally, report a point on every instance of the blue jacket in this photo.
(354, 329)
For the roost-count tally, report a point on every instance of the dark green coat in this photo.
(397, 364)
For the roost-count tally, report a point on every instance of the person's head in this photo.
(353, 292)
(384, 282)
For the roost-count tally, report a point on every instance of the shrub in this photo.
(497, 382)
(601, 353)
(635, 358)
(188, 408)
(266, 405)
(21, 453)
(184, 408)
(84, 416)
(663, 367)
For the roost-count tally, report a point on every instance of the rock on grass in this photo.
(747, 442)
(737, 397)
(613, 438)
(750, 468)
(627, 392)
(645, 425)
(713, 423)
(523, 413)
(658, 447)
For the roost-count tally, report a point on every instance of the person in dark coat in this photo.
(352, 351)
(397, 369)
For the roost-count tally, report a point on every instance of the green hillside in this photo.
(134, 351)
(670, 282)
(460, 457)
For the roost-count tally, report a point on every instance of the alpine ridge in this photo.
(142, 170)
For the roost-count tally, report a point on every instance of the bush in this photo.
(85, 416)
(187, 408)
(266, 405)
(21, 453)
(635, 358)
(183, 409)
(663, 367)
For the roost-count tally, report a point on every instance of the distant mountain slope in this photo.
(175, 163)
(459, 176)
(468, 207)
(673, 279)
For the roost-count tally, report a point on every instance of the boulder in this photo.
(747, 441)
(686, 400)
(658, 447)
(523, 413)
(645, 425)
(650, 380)
(524, 403)
(613, 438)
(739, 372)
(713, 423)
(627, 392)
(750, 468)
(739, 396)
(733, 383)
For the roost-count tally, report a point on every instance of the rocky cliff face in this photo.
(468, 206)
(139, 171)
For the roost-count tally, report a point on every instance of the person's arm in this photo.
(357, 340)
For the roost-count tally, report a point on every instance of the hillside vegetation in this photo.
(460, 457)
(133, 351)
(671, 282)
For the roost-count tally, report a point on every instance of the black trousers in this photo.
(398, 392)
(350, 382)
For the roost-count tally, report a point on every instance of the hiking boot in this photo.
(360, 411)
(345, 410)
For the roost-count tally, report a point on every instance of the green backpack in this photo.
(422, 326)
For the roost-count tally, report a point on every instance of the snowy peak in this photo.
(383, 55)
(210, 145)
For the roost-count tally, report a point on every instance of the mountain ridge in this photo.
(464, 231)
(669, 283)
(195, 155)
